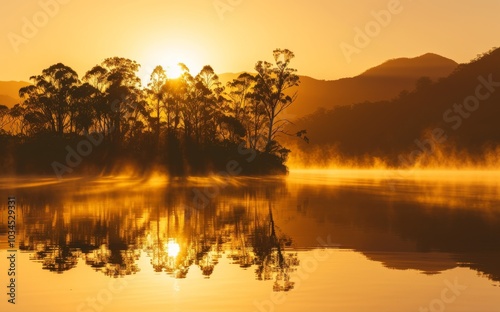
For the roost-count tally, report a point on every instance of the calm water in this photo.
(313, 241)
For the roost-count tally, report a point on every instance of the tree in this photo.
(272, 89)
(208, 91)
(4, 120)
(97, 78)
(175, 91)
(16, 116)
(85, 100)
(245, 107)
(187, 123)
(157, 93)
(121, 101)
(240, 93)
(49, 97)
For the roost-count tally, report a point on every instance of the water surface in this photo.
(315, 240)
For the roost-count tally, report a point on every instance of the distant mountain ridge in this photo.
(429, 64)
(9, 92)
(464, 108)
(382, 82)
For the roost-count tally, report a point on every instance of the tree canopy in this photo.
(192, 123)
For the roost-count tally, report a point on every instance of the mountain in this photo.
(431, 65)
(8, 100)
(457, 113)
(382, 82)
(9, 92)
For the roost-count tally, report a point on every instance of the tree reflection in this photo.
(272, 263)
(55, 258)
(53, 251)
(117, 263)
(110, 232)
(175, 239)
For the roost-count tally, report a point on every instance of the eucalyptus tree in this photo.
(85, 99)
(16, 120)
(48, 99)
(206, 98)
(123, 95)
(176, 93)
(4, 118)
(121, 101)
(186, 96)
(157, 95)
(239, 90)
(97, 78)
(272, 89)
(246, 108)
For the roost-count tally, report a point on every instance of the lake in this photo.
(339, 240)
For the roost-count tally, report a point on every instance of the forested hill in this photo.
(381, 82)
(463, 110)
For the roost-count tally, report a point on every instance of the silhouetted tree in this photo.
(246, 108)
(85, 99)
(157, 94)
(16, 116)
(273, 83)
(187, 122)
(123, 95)
(48, 99)
(207, 90)
(4, 117)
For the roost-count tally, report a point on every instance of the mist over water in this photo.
(304, 234)
(435, 157)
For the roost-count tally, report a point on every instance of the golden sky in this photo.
(231, 35)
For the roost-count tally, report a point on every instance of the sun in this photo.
(173, 248)
(169, 55)
(169, 58)
(174, 71)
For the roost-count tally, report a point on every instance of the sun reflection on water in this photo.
(173, 248)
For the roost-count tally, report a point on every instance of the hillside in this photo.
(389, 129)
(430, 64)
(382, 82)
(8, 100)
(9, 92)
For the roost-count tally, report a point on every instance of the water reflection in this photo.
(109, 229)
(259, 224)
(55, 258)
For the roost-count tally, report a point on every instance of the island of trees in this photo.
(106, 122)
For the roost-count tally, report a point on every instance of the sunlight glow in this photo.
(173, 248)
(169, 58)
(174, 71)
